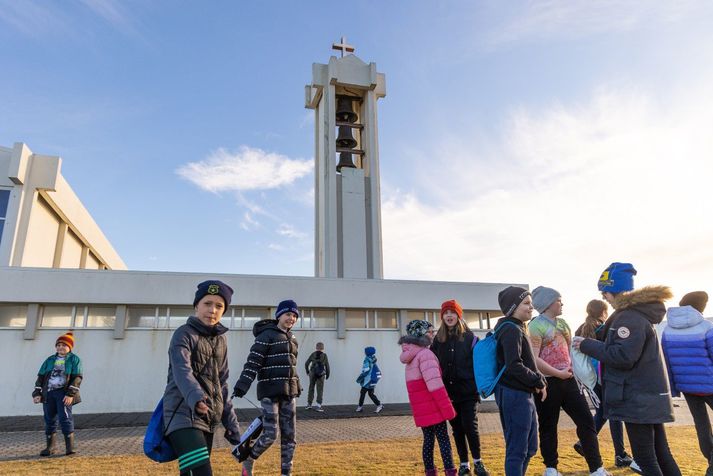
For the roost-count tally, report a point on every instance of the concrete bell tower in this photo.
(343, 95)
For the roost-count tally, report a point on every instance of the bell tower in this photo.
(343, 95)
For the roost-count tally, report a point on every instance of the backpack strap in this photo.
(496, 331)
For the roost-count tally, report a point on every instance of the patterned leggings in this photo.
(430, 434)
(278, 416)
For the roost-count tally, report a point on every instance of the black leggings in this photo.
(371, 393)
(430, 434)
(465, 428)
(650, 449)
(193, 449)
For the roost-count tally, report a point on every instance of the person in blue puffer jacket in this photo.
(688, 348)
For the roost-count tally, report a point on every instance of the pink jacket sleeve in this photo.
(431, 371)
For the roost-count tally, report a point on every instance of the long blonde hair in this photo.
(596, 315)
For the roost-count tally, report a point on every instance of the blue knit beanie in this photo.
(369, 350)
(288, 305)
(617, 278)
(213, 287)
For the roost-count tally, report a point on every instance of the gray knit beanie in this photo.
(543, 297)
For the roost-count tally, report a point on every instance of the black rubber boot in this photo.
(69, 444)
(50, 445)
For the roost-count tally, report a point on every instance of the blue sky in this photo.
(520, 141)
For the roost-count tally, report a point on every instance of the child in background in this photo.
(427, 395)
(317, 367)
(57, 388)
(368, 378)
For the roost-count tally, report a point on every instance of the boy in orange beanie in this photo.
(57, 388)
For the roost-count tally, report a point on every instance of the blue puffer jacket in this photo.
(688, 347)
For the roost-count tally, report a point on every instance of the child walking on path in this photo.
(453, 345)
(57, 388)
(273, 362)
(688, 348)
(427, 395)
(317, 367)
(368, 378)
(514, 392)
(550, 338)
(633, 376)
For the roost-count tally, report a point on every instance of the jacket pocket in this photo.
(614, 390)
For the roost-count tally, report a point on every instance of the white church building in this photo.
(59, 272)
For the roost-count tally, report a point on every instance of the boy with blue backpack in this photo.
(368, 378)
(520, 380)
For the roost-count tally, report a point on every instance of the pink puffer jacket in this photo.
(428, 397)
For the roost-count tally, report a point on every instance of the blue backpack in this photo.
(485, 362)
(375, 375)
(156, 445)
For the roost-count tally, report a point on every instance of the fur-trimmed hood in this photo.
(422, 341)
(648, 300)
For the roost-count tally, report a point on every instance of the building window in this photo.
(100, 316)
(58, 316)
(317, 319)
(246, 317)
(4, 200)
(371, 319)
(13, 315)
(178, 315)
(142, 317)
(434, 317)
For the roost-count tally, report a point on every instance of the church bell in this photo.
(345, 160)
(345, 139)
(345, 112)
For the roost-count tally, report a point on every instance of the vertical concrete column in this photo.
(33, 321)
(403, 320)
(120, 322)
(341, 323)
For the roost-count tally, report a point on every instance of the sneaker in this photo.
(359, 408)
(551, 472)
(600, 472)
(248, 467)
(623, 460)
(464, 470)
(308, 407)
(635, 468)
(318, 408)
(479, 469)
(579, 448)
(379, 407)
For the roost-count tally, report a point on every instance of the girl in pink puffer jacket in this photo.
(429, 400)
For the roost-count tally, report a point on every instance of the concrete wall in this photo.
(125, 369)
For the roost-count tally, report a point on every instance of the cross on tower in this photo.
(343, 46)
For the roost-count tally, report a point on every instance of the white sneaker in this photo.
(359, 408)
(318, 408)
(379, 408)
(551, 472)
(635, 467)
(601, 472)
(308, 407)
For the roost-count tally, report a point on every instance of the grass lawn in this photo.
(382, 457)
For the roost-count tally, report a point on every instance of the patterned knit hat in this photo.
(67, 339)
(453, 306)
(617, 278)
(418, 328)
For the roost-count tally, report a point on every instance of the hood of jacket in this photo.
(370, 358)
(648, 300)
(422, 341)
(264, 325)
(683, 317)
(216, 330)
(409, 352)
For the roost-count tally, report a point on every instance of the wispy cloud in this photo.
(289, 231)
(578, 18)
(114, 12)
(249, 223)
(623, 176)
(246, 169)
(32, 18)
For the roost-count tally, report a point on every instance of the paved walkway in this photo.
(312, 428)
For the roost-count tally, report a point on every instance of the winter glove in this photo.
(233, 438)
(234, 450)
(237, 392)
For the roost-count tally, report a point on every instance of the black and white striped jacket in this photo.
(272, 361)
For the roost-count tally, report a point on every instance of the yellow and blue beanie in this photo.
(213, 287)
(617, 278)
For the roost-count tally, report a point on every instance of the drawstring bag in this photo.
(156, 446)
(585, 373)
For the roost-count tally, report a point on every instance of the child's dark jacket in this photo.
(73, 371)
(515, 353)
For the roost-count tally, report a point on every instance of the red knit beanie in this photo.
(67, 339)
(453, 306)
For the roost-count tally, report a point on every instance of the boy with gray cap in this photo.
(550, 338)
